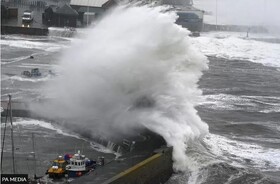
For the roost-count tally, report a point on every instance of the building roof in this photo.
(90, 3)
(66, 10)
(91, 9)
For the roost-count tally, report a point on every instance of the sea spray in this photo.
(135, 69)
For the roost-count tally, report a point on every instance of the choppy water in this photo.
(241, 106)
(240, 103)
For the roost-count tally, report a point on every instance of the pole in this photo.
(87, 11)
(12, 134)
(264, 13)
(34, 158)
(4, 135)
(216, 14)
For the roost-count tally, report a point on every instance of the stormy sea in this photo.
(214, 98)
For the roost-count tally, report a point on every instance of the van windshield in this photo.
(26, 16)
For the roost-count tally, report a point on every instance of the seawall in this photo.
(5, 29)
(154, 170)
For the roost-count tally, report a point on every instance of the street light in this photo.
(216, 14)
(87, 11)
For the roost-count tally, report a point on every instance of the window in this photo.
(187, 16)
(55, 164)
(27, 16)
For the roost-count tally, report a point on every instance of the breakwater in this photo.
(153, 170)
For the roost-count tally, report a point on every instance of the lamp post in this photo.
(87, 11)
(216, 14)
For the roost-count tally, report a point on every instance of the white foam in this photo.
(237, 152)
(232, 102)
(271, 110)
(28, 44)
(103, 149)
(38, 79)
(4, 77)
(232, 46)
(133, 53)
(38, 65)
(33, 123)
(225, 102)
(13, 60)
(24, 122)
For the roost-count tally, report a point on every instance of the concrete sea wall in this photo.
(154, 170)
(24, 30)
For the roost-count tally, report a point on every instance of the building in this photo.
(89, 10)
(63, 16)
(4, 12)
(188, 16)
(8, 12)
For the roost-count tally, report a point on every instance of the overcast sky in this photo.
(241, 12)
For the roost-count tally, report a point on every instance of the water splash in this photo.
(136, 69)
(61, 32)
